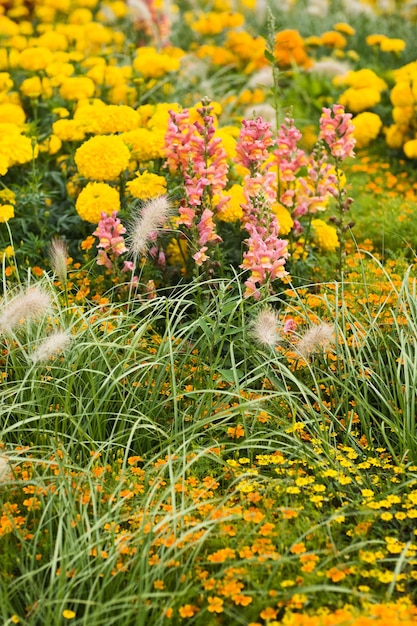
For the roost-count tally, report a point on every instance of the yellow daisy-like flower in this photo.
(103, 157)
(147, 185)
(6, 212)
(324, 236)
(95, 199)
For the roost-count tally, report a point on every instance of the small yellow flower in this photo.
(68, 614)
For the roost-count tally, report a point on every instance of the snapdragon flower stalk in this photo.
(266, 254)
(336, 131)
(303, 195)
(194, 151)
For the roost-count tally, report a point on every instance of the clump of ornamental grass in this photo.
(31, 304)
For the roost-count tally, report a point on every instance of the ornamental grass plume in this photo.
(264, 327)
(54, 344)
(58, 255)
(5, 469)
(145, 224)
(317, 337)
(29, 305)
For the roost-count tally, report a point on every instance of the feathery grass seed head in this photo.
(265, 327)
(145, 224)
(58, 254)
(29, 305)
(54, 344)
(318, 337)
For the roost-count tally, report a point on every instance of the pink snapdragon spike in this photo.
(254, 140)
(266, 253)
(336, 129)
(288, 156)
(265, 257)
(110, 232)
(193, 150)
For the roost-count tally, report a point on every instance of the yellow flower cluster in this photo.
(232, 211)
(324, 236)
(97, 198)
(364, 90)
(103, 157)
(150, 63)
(367, 128)
(147, 185)
(215, 22)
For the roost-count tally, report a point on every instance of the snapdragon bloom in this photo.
(336, 130)
(110, 232)
(193, 149)
(266, 253)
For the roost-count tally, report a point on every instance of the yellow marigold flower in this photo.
(401, 94)
(102, 119)
(35, 87)
(392, 45)
(403, 115)
(14, 146)
(333, 39)
(217, 55)
(146, 145)
(177, 252)
(147, 185)
(232, 211)
(365, 78)
(228, 141)
(324, 236)
(358, 100)
(247, 49)
(77, 87)
(285, 220)
(410, 149)
(290, 49)
(36, 58)
(97, 198)
(367, 128)
(214, 23)
(375, 40)
(153, 64)
(4, 164)
(6, 212)
(342, 27)
(12, 113)
(68, 130)
(103, 157)
(394, 136)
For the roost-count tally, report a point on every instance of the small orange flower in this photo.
(215, 604)
(188, 610)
